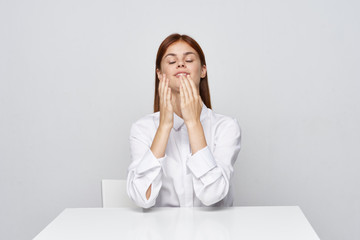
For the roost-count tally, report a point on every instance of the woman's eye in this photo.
(189, 61)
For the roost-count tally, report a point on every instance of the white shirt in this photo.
(180, 178)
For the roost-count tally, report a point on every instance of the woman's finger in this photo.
(161, 86)
(167, 90)
(160, 82)
(168, 98)
(182, 96)
(166, 81)
(193, 87)
(188, 89)
(185, 91)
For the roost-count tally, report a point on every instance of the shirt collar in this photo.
(179, 122)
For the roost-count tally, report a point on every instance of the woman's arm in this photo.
(158, 146)
(145, 169)
(165, 124)
(191, 110)
(166, 121)
(211, 170)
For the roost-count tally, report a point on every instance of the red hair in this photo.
(203, 86)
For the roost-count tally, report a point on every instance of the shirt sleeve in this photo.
(212, 171)
(144, 170)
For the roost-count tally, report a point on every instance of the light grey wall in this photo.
(74, 75)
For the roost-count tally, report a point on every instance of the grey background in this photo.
(74, 75)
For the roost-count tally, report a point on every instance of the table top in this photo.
(247, 223)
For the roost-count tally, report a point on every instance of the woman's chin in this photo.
(175, 89)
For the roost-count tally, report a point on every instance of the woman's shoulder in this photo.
(220, 121)
(149, 121)
(221, 118)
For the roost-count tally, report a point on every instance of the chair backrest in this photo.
(114, 194)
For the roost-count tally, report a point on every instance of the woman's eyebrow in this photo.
(173, 54)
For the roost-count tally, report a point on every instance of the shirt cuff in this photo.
(201, 162)
(149, 161)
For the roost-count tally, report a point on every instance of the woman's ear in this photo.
(158, 72)
(203, 71)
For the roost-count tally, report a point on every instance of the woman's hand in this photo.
(190, 101)
(166, 108)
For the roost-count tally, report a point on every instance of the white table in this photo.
(244, 223)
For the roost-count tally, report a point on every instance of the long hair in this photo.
(203, 86)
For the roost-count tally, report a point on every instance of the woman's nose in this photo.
(181, 64)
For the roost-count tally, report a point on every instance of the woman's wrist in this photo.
(196, 136)
(193, 124)
(159, 143)
(165, 127)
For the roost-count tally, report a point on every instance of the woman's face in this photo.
(180, 58)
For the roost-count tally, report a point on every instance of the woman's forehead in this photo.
(179, 48)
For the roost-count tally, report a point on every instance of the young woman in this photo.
(182, 154)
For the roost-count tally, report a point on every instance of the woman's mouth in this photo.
(181, 74)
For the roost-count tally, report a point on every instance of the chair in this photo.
(114, 194)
